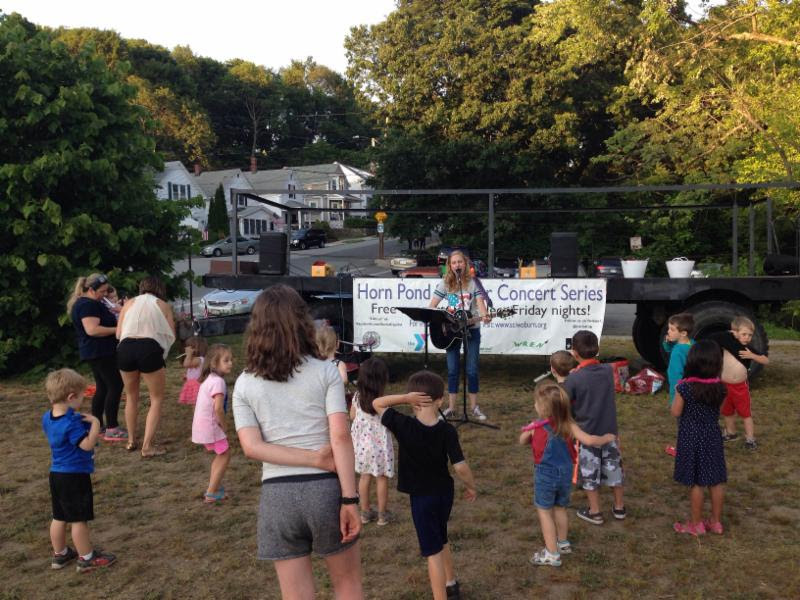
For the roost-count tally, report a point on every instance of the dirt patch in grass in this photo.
(171, 546)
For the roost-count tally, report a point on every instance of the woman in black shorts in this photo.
(146, 330)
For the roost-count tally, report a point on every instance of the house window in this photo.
(292, 188)
(333, 184)
(312, 205)
(263, 224)
(241, 199)
(178, 192)
(246, 226)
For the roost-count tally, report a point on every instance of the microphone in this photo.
(458, 272)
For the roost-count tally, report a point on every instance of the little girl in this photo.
(700, 459)
(327, 342)
(554, 454)
(371, 440)
(209, 417)
(196, 347)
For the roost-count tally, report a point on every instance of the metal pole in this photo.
(191, 283)
(735, 238)
(490, 252)
(751, 234)
(769, 226)
(234, 234)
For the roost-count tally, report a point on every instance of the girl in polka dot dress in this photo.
(700, 459)
(372, 441)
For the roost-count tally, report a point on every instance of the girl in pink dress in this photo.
(371, 441)
(208, 425)
(196, 347)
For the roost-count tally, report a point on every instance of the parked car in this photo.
(244, 245)
(608, 267)
(305, 238)
(221, 303)
(506, 267)
(408, 259)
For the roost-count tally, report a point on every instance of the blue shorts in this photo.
(552, 486)
(430, 515)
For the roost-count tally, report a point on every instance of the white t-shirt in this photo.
(291, 413)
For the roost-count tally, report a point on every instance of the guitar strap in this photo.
(479, 285)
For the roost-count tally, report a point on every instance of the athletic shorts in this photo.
(72, 497)
(600, 466)
(218, 447)
(737, 400)
(298, 514)
(430, 515)
(140, 354)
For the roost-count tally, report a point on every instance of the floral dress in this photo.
(372, 443)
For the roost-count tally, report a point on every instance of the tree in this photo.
(218, 225)
(76, 190)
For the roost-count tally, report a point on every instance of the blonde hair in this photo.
(82, 284)
(552, 402)
(742, 322)
(450, 280)
(327, 340)
(60, 384)
(211, 362)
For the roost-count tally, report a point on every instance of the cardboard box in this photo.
(323, 270)
(527, 272)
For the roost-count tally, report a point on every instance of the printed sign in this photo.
(547, 312)
(380, 227)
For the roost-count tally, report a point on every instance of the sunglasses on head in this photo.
(97, 283)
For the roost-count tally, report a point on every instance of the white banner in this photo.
(548, 313)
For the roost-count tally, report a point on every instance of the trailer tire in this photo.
(647, 339)
(716, 316)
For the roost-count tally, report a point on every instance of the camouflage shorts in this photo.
(600, 466)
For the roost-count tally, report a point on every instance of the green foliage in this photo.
(76, 190)
(218, 224)
(360, 223)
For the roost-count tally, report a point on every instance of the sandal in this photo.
(217, 496)
(156, 451)
(131, 446)
(713, 527)
(694, 529)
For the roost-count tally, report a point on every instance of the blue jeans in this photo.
(454, 362)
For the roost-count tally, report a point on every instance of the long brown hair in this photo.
(450, 280)
(373, 375)
(552, 400)
(280, 334)
(211, 362)
(153, 285)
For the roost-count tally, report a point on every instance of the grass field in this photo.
(172, 546)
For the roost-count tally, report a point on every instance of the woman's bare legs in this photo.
(344, 569)
(295, 578)
(156, 383)
(131, 381)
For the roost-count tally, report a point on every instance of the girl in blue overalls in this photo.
(551, 439)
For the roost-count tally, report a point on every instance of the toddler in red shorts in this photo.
(737, 356)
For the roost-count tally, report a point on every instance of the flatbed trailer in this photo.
(713, 302)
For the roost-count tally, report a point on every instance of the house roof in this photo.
(209, 181)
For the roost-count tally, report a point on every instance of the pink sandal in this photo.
(690, 528)
(713, 527)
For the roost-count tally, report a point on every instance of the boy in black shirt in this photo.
(426, 442)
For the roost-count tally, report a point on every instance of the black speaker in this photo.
(272, 253)
(780, 264)
(563, 254)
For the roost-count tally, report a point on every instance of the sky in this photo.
(267, 32)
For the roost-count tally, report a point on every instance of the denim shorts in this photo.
(552, 486)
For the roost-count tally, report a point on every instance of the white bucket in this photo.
(634, 268)
(680, 267)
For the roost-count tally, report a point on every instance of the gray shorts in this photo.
(600, 466)
(300, 514)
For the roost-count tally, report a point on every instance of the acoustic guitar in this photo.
(444, 333)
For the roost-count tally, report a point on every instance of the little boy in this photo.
(590, 387)
(677, 343)
(426, 442)
(72, 437)
(736, 358)
(561, 363)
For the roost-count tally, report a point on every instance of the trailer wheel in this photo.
(647, 339)
(715, 316)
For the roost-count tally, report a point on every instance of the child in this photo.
(208, 425)
(111, 300)
(371, 441)
(561, 363)
(554, 454)
(590, 387)
(196, 347)
(700, 461)
(426, 442)
(327, 342)
(676, 343)
(736, 358)
(72, 437)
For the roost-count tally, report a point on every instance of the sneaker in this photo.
(367, 516)
(60, 561)
(670, 450)
(384, 518)
(543, 557)
(619, 513)
(453, 592)
(564, 547)
(694, 529)
(713, 527)
(589, 517)
(115, 434)
(448, 413)
(750, 444)
(98, 559)
(476, 412)
(727, 437)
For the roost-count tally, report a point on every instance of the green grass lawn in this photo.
(171, 546)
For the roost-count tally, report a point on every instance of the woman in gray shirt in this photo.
(289, 399)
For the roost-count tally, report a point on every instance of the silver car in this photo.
(221, 303)
(225, 247)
